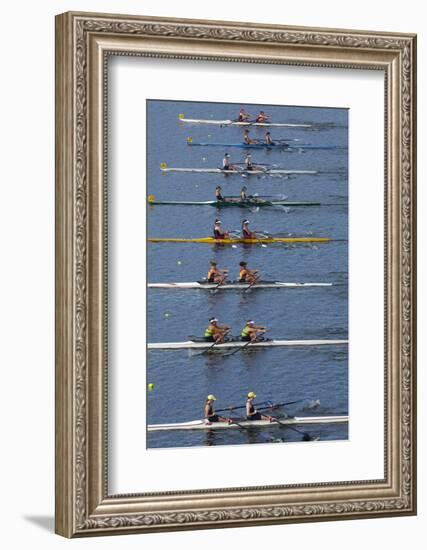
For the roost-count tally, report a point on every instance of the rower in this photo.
(246, 139)
(226, 164)
(218, 232)
(247, 275)
(246, 232)
(262, 117)
(214, 332)
(210, 414)
(215, 274)
(251, 412)
(243, 115)
(251, 331)
(248, 162)
(218, 193)
(268, 139)
(243, 195)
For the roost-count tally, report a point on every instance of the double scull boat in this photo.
(236, 202)
(237, 423)
(234, 285)
(204, 344)
(229, 122)
(239, 240)
(275, 145)
(257, 171)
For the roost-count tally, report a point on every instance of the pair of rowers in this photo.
(268, 140)
(248, 164)
(244, 116)
(251, 411)
(217, 333)
(219, 233)
(219, 275)
(220, 197)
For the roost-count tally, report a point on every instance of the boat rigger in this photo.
(203, 344)
(290, 421)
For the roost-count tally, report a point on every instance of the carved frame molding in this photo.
(83, 44)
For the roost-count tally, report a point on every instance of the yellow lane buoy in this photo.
(180, 115)
(163, 165)
(150, 387)
(151, 198)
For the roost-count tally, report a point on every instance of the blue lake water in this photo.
(182, 379)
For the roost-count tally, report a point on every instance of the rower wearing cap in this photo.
(247, 275)
(246, 232)
(251, 331)
(215, 274)
(268, 139)
(218, 193)
(214, 332)
(243, 115)
(262, 117)
(226, 164)
(251, 412)
(209, 412)
(218, 232)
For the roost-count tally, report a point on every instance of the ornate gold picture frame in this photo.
(84, 42)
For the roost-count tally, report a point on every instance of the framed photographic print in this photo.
(235, 218)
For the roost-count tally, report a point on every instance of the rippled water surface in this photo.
(182, 379)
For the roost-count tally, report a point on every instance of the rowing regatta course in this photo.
(312, 307)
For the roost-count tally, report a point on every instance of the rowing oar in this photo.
(256, 279)
(232, 421)
(240, 349)
(256, 164)
(279, 405)
(306, 436)
(263, 234)
(220, 283)
(230, 409)
(214, 344)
